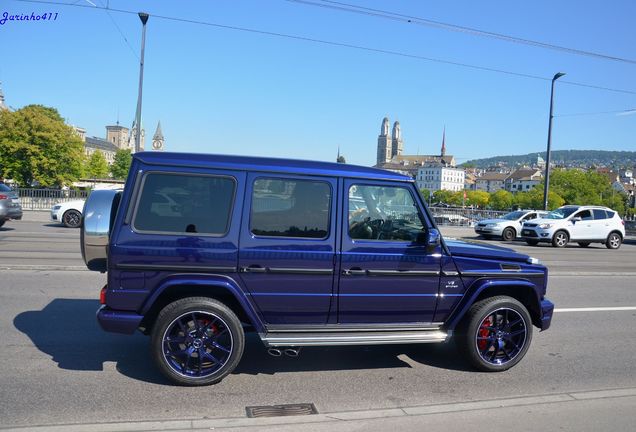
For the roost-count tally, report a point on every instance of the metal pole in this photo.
(144, 19)
(546, 186)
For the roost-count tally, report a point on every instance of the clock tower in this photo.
(157, 139)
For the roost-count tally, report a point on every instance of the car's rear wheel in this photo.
(584, 244)
(532, 242)
(614, 241)
(197, 341)
(495, 334)
(72, 218)
(508, 234)
(560, 239)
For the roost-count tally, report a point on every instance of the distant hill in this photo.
(571, 158)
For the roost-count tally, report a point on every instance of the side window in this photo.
(182, 203)
(610, 214)
(585, 215)
(290, 208)
(599, 214)
(383, 213)
(529, 217)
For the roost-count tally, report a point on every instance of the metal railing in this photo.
(44, 199)
(462, 216)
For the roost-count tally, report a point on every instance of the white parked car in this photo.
(508, 227)
(68, 213)
(581, 224)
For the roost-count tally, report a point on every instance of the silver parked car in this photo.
(10, 207)
(508, 227)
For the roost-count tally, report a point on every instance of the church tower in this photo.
(384, 143)
(444, 142)
(157, 139)
(397, 145)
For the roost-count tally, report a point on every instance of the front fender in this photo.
(480, 286)
(216, 282)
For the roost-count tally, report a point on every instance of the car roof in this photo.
(586, 207)
(252, 163)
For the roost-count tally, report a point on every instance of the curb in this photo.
(335, 418)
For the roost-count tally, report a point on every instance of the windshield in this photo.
(561, 213)
(514, 215)
(4, 188)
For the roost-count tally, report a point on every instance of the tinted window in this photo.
(610, 214)
(383, 213)
(585, 215)
(185, 204)
(290, 208)
(599, 214)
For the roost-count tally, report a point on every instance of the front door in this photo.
(582, 229)
(386, 273)
(287, 248)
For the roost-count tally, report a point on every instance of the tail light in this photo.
(623, 222)
(102, 295)
(2, 196)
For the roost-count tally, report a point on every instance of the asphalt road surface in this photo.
(59, 368)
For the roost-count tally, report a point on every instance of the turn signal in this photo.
(102, 295)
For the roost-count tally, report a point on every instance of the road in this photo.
(59, 368)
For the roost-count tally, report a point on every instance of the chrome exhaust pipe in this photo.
(292, 352)
(274, 352)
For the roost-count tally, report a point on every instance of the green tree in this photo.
(121, 164)
(501, 200)
(97, 166)
(36, 146)
(478, 198)
(533, 199)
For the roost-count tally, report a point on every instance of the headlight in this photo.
(56, 207)
(491, 225)
(532, 260)
(545, 226)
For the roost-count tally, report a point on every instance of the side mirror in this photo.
(432, 239)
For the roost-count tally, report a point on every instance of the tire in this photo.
(192, 329)
(532, 242)
(584, 244)
(614, 241)
(508, 234)
(2, 222)
(560, 239)
(498, 347)
(72, 219)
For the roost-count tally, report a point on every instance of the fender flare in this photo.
(224, 282)
(481, 285)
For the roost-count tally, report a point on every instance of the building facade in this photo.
(523, 179)
(491, 181)
(434, 177)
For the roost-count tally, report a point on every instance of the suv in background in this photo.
(581, 224)
(10, 207)
(508, 227)
(301, 253)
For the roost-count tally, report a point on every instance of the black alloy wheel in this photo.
(72, 219)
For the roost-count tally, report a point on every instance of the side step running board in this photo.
(357, 338)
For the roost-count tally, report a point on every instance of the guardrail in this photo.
(44, 199)
(460, 216)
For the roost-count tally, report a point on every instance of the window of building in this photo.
(290, 208)
(182, 203)
(386, 213)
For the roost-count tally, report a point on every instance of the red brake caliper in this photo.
(484, 332)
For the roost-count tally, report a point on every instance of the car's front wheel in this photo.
(72, 219)
(508, 234)
(197, 341)
(614, 241)
(560, 239)
(495, 334)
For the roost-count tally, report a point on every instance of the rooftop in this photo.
(251, 163)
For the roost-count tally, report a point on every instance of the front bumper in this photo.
(547, 310)
(495, 231)
(7, 213)
(54, 216)
(118, 321)
(536, 234)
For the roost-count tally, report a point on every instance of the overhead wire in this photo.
(410, 19)
(617, 112)
(345, 45)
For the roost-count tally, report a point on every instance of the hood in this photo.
(473, 249)
(78, 204)
(539, 221)
(487, 221)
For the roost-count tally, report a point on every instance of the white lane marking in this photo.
(596, 309)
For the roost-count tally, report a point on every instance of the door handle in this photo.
(354, 271)
(255, 268)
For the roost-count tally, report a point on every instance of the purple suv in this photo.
(201, 249)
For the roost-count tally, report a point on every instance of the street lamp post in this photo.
(546, 187)
(144, 19)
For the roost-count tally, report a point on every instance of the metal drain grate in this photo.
(281, 410)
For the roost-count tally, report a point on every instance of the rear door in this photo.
(287, 247)
(386, 275)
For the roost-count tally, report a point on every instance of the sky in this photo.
(222, 89)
